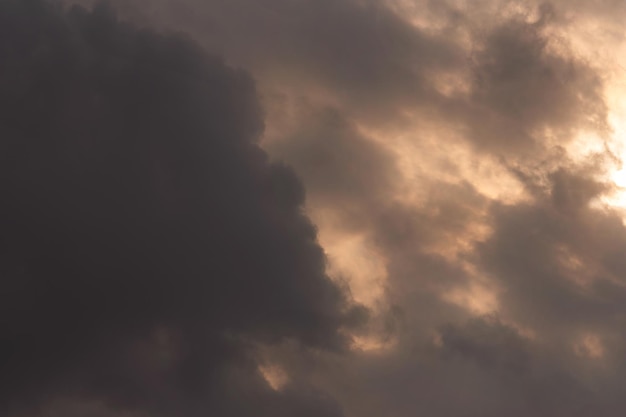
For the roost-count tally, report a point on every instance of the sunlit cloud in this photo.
(416, 207)
(275, 376)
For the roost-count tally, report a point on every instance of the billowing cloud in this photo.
(530, 92)
(148, 244)
(461, 161)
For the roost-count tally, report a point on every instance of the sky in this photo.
(324, 208)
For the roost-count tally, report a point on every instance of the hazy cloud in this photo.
(460, 160)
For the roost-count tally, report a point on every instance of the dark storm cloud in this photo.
(515, 88)
(147, 242)
(361, 52)
(478, 367)
(527, 94)
(150, 247)
(557, 258)
(530, 381)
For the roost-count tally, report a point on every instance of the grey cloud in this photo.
(147, 241)
(538, 251)
(526, 94)
(487, 342)
(557, 259)
(480, 367)
(376, 63)
(531, 381)
(336, 161)
(142, 177)
(574, 191)
(525, 85)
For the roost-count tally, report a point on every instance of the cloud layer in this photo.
(459, 161)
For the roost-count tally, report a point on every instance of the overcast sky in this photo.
(312, 208)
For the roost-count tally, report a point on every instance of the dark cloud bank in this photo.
(151, 251)
(147, 243)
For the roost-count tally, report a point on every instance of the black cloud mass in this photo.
(459, 252)
(148, 245)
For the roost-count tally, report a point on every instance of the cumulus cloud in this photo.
(148, 244)
(160, 258)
